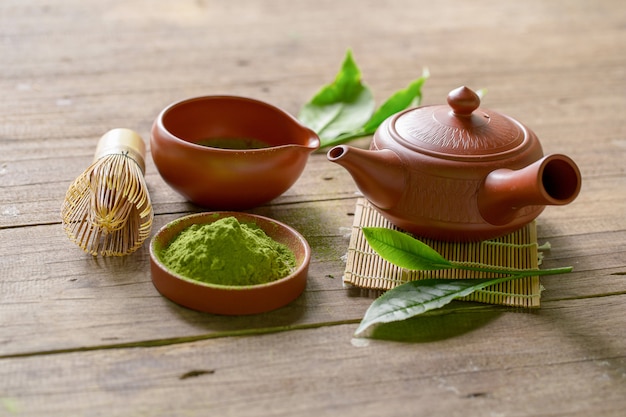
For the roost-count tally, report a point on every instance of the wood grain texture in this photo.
(319, 372)
(87, 336)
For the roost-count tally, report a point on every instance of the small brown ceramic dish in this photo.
(231, 300)
(192, 145)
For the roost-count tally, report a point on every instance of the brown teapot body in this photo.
(458, 172)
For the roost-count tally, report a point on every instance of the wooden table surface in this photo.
(84, 336)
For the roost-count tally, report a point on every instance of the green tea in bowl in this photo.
(234, 143)
(245, 264)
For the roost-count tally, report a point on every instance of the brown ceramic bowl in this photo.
(229, 179)
(231, 300)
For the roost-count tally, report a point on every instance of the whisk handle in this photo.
(121, 140)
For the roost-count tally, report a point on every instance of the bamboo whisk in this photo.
(107, 209)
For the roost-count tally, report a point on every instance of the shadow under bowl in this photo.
(229, 179)
(224, 299)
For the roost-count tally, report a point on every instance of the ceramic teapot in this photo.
(458, 172)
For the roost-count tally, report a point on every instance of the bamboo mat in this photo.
(365, 269)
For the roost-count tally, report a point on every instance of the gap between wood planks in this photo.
(181, 340)
(229, 333)
(268, 330)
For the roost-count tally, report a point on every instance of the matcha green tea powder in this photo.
(228, 252)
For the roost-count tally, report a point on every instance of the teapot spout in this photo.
(379, 174)
(552, 180)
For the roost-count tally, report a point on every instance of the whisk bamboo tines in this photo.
(107, 209)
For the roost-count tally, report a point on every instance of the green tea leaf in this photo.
(404, 251)
(400, 100)
(410, 96)
(344, 110)
(416, 297)
(344, 105)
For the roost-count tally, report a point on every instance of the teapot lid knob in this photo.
(463, 101)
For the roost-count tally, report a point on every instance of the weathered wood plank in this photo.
(551, 362)
(27, 200)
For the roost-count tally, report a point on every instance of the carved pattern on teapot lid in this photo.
(460, 130)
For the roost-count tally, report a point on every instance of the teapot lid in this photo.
(460, 130)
